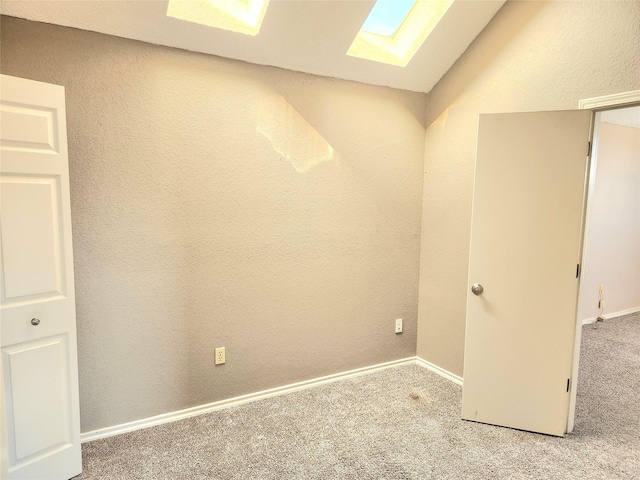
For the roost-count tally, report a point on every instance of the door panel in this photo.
(525, 247)
(38, 425)
(30, 224)
(39, 367)
(28, 128)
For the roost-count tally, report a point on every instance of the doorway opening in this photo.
(610, 283)
(610, 278)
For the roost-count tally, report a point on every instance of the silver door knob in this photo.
(35, 322)
(477, 289)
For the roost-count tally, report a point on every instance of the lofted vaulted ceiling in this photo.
(309, 36)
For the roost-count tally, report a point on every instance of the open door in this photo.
(41, 416)
(526, 242)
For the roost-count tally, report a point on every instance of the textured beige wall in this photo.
(612, 240)
(532, 56)
(216, 203)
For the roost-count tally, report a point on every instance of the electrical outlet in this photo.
(601, 289)
(398, 325)
(220, 356)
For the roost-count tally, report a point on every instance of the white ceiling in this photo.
(309, 36)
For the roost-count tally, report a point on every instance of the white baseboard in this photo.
(231, 402)
(608, 316)
(439, 370)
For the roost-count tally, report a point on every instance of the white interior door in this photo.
(37, 300)
(526, 242)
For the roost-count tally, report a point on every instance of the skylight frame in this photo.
(240, 16)
(400, 49)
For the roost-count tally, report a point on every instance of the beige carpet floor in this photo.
(401, 423)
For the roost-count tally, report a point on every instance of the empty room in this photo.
(288, 239)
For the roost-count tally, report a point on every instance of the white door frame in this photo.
(609, 102)
(596, 104)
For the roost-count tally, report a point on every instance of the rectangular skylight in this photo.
(386, 16)
(400, 47)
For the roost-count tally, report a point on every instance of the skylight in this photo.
(386, 17)
(242, 16)
(409, 36)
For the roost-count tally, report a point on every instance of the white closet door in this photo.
(37, 300)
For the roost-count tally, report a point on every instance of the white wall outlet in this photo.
(220, 356)
(398, 325)
(601, 289)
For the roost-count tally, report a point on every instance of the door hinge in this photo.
(568, 383)
(589, 150)
(577, 270)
